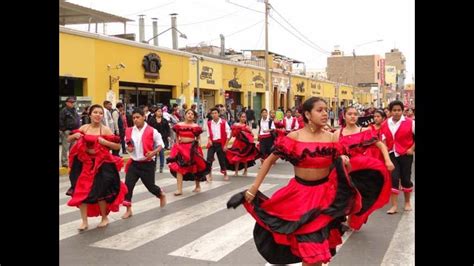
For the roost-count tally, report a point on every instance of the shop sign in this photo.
(259, 81)
(300, 87)
(206, 73)
(233, 83)
(152, 65)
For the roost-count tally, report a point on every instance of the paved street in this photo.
(197, 229)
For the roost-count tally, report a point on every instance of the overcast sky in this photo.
(324, 24)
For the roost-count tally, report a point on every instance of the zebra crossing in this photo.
(193, 229)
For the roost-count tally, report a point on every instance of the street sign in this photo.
(368, 84)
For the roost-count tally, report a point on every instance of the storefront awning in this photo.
(75, 14)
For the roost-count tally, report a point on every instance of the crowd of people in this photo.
(341, 175)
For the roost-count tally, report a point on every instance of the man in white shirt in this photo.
(290, 122)
(143, 144)
(108, 120)
(218, 131)
(265, 137)
(399, 133)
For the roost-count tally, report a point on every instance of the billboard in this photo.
(390, 75)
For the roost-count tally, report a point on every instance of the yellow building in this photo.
(345, 94)
(298, 90)
(102, 68)
(315, 89)
(98, 67)
(328, 92)
(107, 68)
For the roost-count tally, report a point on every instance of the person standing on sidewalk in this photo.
(122, 124)
(159, 123)
(68, 120)
(331, 117)
(143, 144)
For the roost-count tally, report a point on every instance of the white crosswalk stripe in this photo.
(70, 229)
(216, 244)
(145, 233)
(64, 208)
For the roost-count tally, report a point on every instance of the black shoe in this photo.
(161, 169)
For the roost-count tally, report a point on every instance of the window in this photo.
(378, 75)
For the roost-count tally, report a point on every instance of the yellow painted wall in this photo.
(315, 88)
(345, 92)
(76, 57)
(88, 58)
(298, 80)
(229, 72)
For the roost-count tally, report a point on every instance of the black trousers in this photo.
(216, 147)
(144, 171)
(122, 141)
(402, 171)
(266, 145)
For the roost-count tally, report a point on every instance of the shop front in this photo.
(298, 89)
(233, 102)
(121, 70)
(280, 90)
(346, 96)
(236, 84)
(138, 94)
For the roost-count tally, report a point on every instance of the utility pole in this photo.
(267, 89)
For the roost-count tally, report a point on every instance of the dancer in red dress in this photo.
(303, 220)
(96, 188)
(243, 152)
(186, 160)
(362, 144)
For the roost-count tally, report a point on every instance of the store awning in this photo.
(75, 14)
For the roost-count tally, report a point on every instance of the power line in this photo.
(322, 49)
(156, 7)
(259, 38)
(303, 41)
(193, 23)
(207, 20)
(245, 7)
(235, 32)
(248, 27)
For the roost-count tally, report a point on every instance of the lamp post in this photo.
(110, 96)
(354, 81)
(195, 60)
(182, 35)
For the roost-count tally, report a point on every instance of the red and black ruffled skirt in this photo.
(303, 220)
(94, 179)
(242, 151)
(372, 179)
(188, 160)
